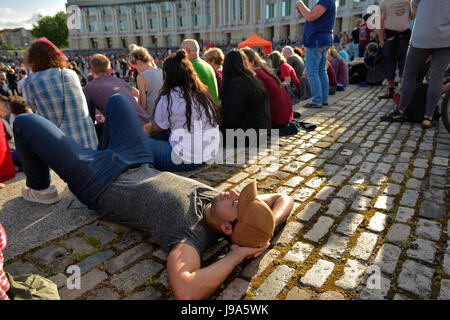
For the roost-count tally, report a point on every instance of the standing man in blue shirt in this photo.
(317, 38)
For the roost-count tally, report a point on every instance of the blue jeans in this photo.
(163, 156)
(316, 71)
(41, 145)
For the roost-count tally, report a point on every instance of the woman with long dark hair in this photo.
(245, 103)
(185, 129)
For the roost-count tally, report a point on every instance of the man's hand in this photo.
(246, 252)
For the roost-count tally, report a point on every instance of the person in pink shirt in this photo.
(284, 71)
(4, 283)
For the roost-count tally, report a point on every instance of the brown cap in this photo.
(256, 223)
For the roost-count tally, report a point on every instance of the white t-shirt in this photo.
(199, 145)
(20, 84)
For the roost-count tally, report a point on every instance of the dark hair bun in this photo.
(180, 55)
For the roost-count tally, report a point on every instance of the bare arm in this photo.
(280, 204)
(152, 129)
(191, 282)
(310, 15)
(142, 86)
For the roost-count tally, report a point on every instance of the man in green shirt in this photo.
(204, 70)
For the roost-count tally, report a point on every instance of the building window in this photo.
(93, 26)
(182, 21)
(194, 20)
(108, 25)
(138, 24)
(193, 4)
(124, 43)
(151, 8)
(165, 6)
(107, 11)
(108, 43)
(286, 8)
(92, 11)
(271, 10)
(167, 22)
(123, 25)
(139, 41)
(137, 9)
(341, 3)
(122, 9)
(94, 43)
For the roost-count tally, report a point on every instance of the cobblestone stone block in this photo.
(331, 295)
(384, 203)
(353, 271)
(319, 229)
(78, 245)
(444, 293)
(418, 173)
(20, 267)
(258, 265)
(364, 246)
(289, 232)
(53, 257)
(274, 283)
(302, 194)
(398, 233)
(392, 189)
(387, 258)
(409, 198)
(87, 282)
(318, 274)
(104, 293)
(336, 207)
(337, 180)
(435, 195)
(429, 229)
(415, 278)
(446, 264)
(136, 275)
(294, 182)
(308, 212)
(335, 247)
(93, 260)
(299, 252)
(238, 177)
(324, 193)
(429, 209)
(129, 239)
(423, 250)
(347, 192)
(372, 292)
(350, 223)
(358, 179)
(440, 161)
(149, 293)
(377, 222)
(397, 177)
(437, 182)
(298, 294)
(306, 172)
(236, 290)
(404, 214)
(127, 257)
(421, 163)
(361, 204)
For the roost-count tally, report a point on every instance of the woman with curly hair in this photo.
(54, 92)
(184, 131)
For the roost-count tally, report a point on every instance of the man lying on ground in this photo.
(120, 183)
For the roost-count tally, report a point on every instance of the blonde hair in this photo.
(216, 55)
(140, 53)
(333, 53)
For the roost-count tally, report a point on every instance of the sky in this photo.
(23, 13)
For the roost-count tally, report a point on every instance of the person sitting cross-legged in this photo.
(120, 182)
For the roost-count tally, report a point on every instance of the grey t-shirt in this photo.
(155, 82)
(170, 207)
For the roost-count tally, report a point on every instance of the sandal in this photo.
(312, 106)
(46, 196)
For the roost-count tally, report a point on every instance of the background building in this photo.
(19, 37)
(114, 24)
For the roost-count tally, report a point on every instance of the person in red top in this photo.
(364, 35)
(331, 78)
(285, 72)
(280, 104)
(4, 283)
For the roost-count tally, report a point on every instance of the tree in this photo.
(53, 28)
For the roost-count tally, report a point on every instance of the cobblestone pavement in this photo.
(370, 221)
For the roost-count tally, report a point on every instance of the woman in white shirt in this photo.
(184, 133)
